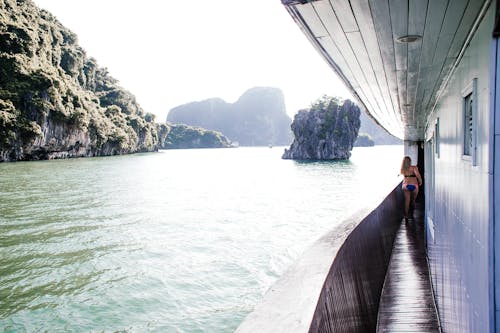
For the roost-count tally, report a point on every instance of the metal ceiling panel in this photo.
(398, 83)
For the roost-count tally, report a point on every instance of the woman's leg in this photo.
(414, 198)
(407, 195)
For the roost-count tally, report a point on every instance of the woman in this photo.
(411, 182)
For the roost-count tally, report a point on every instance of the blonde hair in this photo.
(405, 165)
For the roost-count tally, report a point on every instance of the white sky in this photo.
(170, 52)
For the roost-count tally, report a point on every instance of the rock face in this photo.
(326, 131)
(258, 118)
(55, 102)
(183, 137)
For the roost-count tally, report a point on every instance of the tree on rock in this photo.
(326, 131)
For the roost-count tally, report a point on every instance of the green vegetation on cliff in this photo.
(183, 136)
(54, 100)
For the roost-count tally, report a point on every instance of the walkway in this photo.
(407, 304)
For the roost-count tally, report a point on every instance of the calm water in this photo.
(176, 241)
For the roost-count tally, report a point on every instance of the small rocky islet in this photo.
(326, 131)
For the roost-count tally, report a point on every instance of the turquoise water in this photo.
(176, 241)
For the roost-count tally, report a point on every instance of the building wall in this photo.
(457, 195)
(495, 180)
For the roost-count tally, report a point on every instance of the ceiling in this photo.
(397, 82)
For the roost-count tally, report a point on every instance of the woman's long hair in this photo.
(405, 165)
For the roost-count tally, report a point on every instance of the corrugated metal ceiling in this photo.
(397, 82)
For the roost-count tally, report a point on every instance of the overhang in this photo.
(395, 56)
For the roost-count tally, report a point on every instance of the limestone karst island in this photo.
(56, 102)
(327, 131)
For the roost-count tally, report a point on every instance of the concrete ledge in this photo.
(335, 285)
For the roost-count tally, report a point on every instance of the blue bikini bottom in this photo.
(411, 187)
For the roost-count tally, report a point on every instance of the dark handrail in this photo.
(335, 285)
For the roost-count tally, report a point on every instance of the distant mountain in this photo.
(364, 140)
(379, 135)
(258, 118)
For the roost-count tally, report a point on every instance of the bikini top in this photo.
(411, 175)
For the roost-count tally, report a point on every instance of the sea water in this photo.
(175, 241)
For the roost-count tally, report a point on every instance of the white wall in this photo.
(460, 252)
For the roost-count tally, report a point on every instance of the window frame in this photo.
(470, 90)
(437, 138)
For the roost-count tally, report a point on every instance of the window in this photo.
(437, 138)
(469, 102)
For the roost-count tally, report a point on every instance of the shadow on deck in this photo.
(407, 303)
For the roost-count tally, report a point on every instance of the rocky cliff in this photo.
(326, 131)
(55, 101)
(258, 118)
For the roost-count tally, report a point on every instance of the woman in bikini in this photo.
(411, 182)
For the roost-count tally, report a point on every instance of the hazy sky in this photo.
(170, 52)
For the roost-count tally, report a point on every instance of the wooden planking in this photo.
(348, 23)
(346, 19)
(399, 21)
(332, 49)
(437, 79)
(451, 22)
(328, 44)
(388, 88)
(401, 79)
(442, 48)
(465, 25)
(434, 79)
(358, 47)
(417, 16)
(414, 52)
(334, 29)
(473, 9)
(313, 22)
(435, 15)
(385, 74)
(454, 13)
(407, 303)
(379, 10)
(431, 100)
(338, 63)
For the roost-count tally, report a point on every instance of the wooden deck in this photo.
(407, 303)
